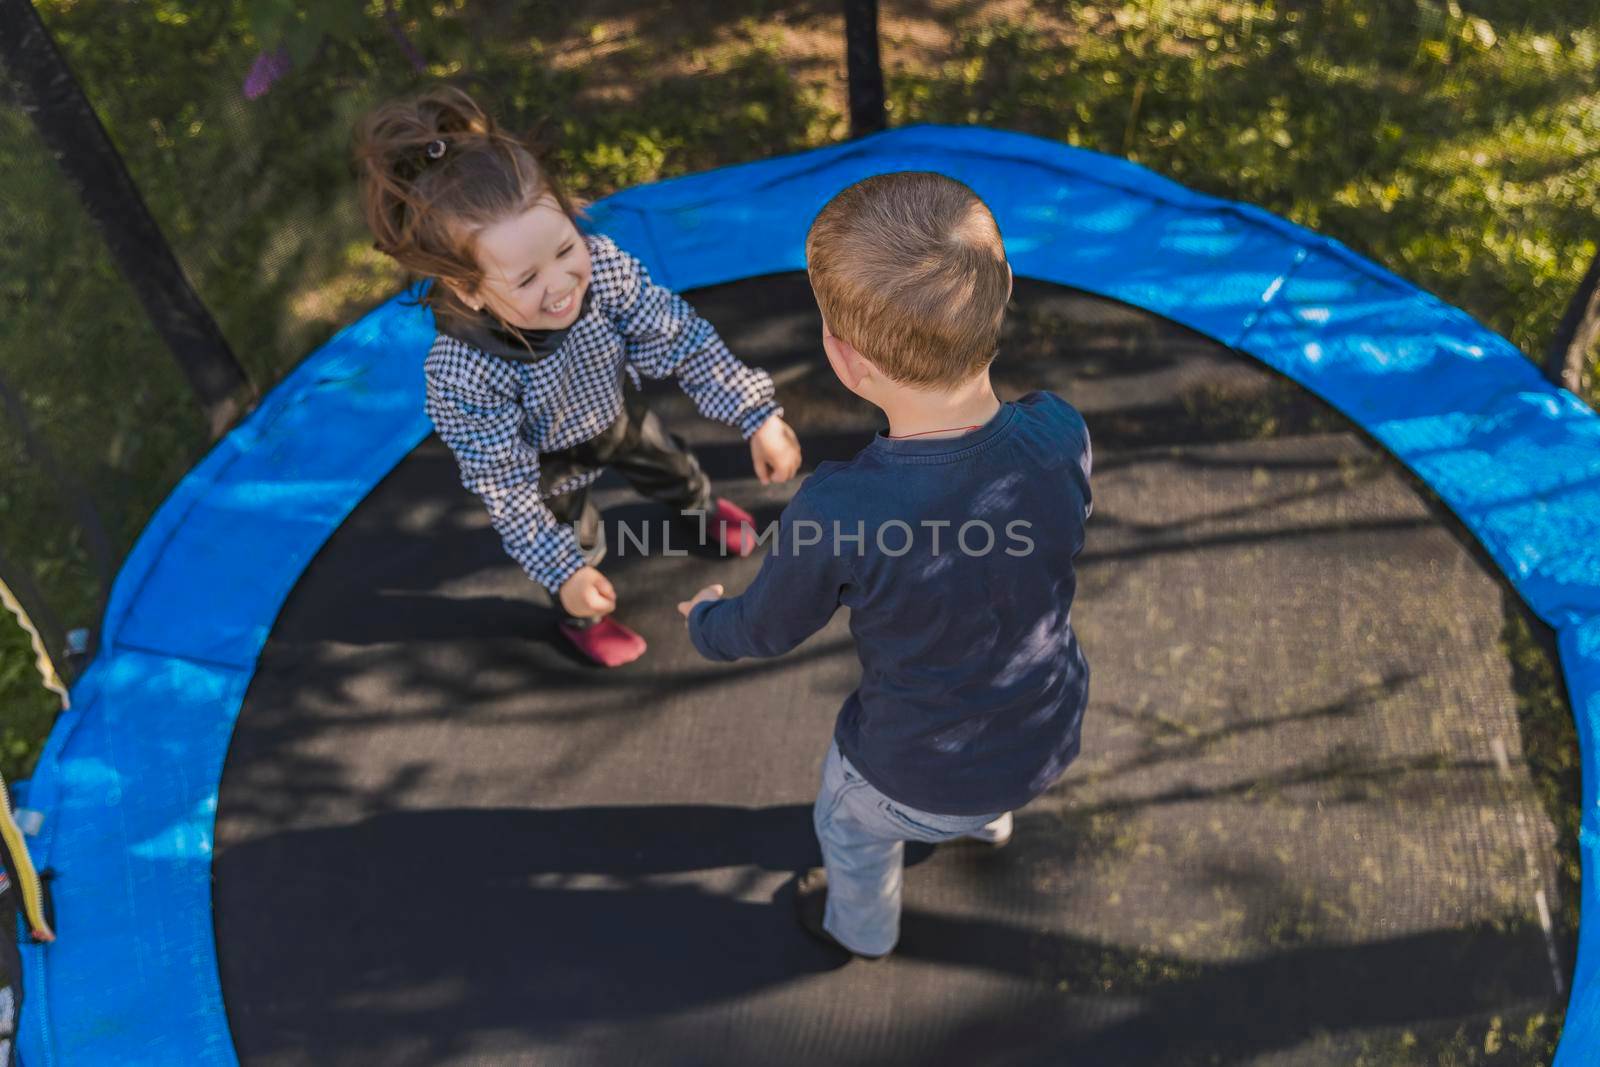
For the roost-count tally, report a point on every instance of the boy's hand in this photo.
(710, 592)
(588, 594)
(775, 450)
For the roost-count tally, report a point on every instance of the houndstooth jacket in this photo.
(498, 414)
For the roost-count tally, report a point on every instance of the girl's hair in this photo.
(434, 171)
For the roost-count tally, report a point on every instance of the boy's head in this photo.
(910, 274)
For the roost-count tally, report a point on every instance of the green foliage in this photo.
(301, 28)
(28, 708)
(750, 109)
(1460, 148)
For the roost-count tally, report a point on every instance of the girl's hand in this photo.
(588, 595)
(775, 451)
(710, 592)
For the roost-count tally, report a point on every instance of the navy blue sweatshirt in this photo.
(955, 558)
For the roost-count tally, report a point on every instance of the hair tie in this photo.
(435, 149)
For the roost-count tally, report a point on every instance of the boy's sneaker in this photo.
(811, 906)
(606, 642)
(996, 834)
(731, 527)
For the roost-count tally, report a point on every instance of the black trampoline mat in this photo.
(1302, 829)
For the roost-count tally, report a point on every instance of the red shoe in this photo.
(733, 527)
(607, 642)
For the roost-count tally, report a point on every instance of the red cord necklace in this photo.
(924, 433)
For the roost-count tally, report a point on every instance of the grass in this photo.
(29, 709)
(1460, 150)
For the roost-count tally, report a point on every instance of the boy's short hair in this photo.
(910, 270)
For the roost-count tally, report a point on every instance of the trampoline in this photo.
(334, 793)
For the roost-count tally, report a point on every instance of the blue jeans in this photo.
(863, 835)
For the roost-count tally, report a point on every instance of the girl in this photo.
(538, 325)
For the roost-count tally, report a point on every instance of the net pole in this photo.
(868, 113)
(68, 125)
(1575, 337)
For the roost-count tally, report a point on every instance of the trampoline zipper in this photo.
(30, 887)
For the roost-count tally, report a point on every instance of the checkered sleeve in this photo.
(664, 336)
(477, 412)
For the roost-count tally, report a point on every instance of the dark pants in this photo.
(654, 461)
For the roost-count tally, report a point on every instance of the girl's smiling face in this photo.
(536, 269)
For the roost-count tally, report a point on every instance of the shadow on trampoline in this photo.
(552, 922)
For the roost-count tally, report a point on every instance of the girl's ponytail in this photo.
(434, 169)
(395, 146)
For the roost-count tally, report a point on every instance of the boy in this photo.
(951, 538)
